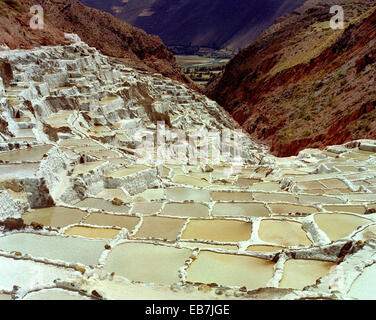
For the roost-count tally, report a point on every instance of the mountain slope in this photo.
(99, 29)
(303, 84)
(204, 23)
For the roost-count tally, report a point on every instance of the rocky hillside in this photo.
(303, 84)
(99, 29)
(204, 23)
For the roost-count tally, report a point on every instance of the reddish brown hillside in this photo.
(303, 84)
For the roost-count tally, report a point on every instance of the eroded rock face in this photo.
(70, 168)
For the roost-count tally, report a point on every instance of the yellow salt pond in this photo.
(231, 196)
(28, 154)
(230, 270)
(218, 230)
(54, 217)
(301, 273)
(240, 209)
(285, 233)
(112, 220)
(101, 204)
(147, 263)
(338, 226)
(93, 233)
(146, 208)
(160, 228)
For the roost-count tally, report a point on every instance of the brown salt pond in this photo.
(230, 270)
(160, 228)
(285, 208)
(301, 273)
(285, 233)
(28, 154)
(196, 210)
(274, 197)
(146, 208)
(112, 220)
(346, 208)
(101, 204)
(251, 209)
(231, 196)
(147, 262)
(56, 217)
(93, 233)
(338, 226)
(55, 294)
(183, 194)
(69, 249)
(218, 230)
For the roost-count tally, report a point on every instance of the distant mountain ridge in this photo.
(205, 23)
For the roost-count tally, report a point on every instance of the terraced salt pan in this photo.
(196, 210)
(274, 197)
(183, 194)
(150, 195)
(218, 230)
(54, 217)
(239, 209)
(301, 273)
(101, 204)
(281, 232)
(160, 228)
(112, 220)
(27, 274)
(85, 168)
(68, 249)
(346, 208)
(230, 270)
(23, 170)
(147, 263)
(231, 196)
(338, 226)
(147, 208)
(55, 294)
(28, 154)
(285, 208)
(93, 233)
(191, 181)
